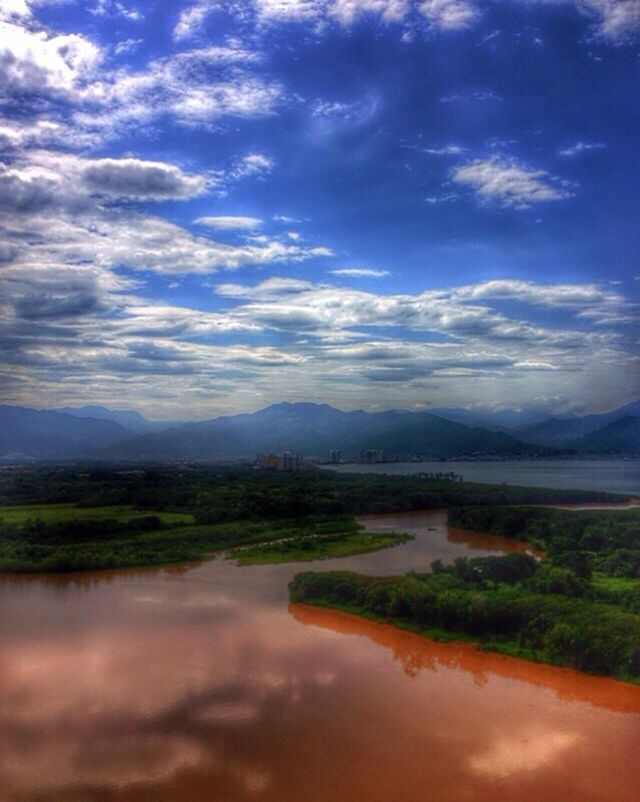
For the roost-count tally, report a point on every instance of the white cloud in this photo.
(43, 178)
(229, 222)
(346, 11)
(602, 306)
(61, 325)
(449, 15)
(126, 46)
(288, 10)
(252, 164)
(14, 9)
(445, 150)
(112, 237)
(273, 287)
(35, 61)
(141, 180)
(508, 183)
(195, 87)
(190, 20)
(112, 8)
(579, 148)
(615, 20)
(360, 272)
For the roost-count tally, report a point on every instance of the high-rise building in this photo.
(372, 455)
(288, 461)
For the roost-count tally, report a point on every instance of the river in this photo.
(610, 475)
(199, 683)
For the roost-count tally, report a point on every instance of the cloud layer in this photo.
(134, 176)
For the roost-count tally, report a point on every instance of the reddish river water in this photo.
(201, 684)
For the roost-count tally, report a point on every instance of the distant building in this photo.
(288, 461)
(335, 456)
(372, 455)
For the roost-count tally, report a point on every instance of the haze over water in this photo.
(201, 683)
(613, 476)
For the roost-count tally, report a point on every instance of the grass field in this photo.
(63, 537)
(302, 549)
(22, 514)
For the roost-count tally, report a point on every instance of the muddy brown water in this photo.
(199, 683)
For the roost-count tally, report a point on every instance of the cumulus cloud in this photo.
(46, 179)
(449, 15)
(346, 11)
(135, 178)
(615, 20)
(14, 9)
(509, 184)
(36, 61)
(195, 87)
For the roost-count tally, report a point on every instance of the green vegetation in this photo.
(68, 517)
(23, 514)
(90, 543)
(579, 606)
(509, 604)
(586, 541)
(317, 547)
(216, 494)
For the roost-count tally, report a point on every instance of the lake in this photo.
(613, 476)
(200, 683)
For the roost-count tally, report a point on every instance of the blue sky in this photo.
(206, 207)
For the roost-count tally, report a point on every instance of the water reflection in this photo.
(416, 653)
(198, 684)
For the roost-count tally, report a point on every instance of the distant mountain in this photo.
(312, 429)
(315, 429)
(129, 418)
(501, 421)
(560, 432)
(53, 435)
(620, 437)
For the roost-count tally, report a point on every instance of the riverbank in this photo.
(577, 606)
(503, 603)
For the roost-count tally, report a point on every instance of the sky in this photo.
(207, 207)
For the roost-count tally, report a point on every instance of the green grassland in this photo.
(56, 537)
(23, 514)
(317, 547)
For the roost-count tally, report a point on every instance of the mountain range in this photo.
(97, 432)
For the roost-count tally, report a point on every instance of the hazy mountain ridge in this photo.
(315, 429)
(54, 435)
(312, 429)
(129, 418)
(620, 437)
(561, 431)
